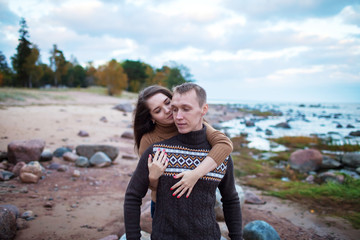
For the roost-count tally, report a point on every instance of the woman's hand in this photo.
(186, 184)
(157, 167)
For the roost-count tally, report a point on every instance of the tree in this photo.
(31, 66)
(5, 71)
(91, 78)
(23, 51)
(135, 71)
(178, 74)
(75, 76)
(58, 64)
(113, 76)
(48, 75)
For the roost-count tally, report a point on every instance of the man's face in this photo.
(187, 113)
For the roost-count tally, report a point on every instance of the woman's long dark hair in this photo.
(142, 117)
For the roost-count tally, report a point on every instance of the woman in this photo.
(153, 122)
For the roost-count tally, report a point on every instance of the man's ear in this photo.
(205, 108)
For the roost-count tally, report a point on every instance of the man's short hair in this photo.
(186, 87)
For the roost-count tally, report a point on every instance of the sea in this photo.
(333, 121)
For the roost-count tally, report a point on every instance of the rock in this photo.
(82, 162)
(110, 237)
(89, 150)
(260, 230)
(130, 157)
(49, 204)
(7, 224)
(46, 156)
(31, 172)
(249, 123)
(358, 170)
(59, 152)
(3, 156)
(83, 133)
(100, 159)
(63, 168)
(6, 175)
(128, 135)
(283, 125)
(76, 173)
(144, 236)
(351, 159)
(355, 133)
(54, 166)
(70, 157)
(27, 214)
(329, 163)
(350, 126)
(306, 160)
(12, 208)
(339, 125)
(258, 129)
(25, 151)
(268, 132)
(252, 198)
(17, 167)
(124, 107)
(310, 179)
(330, 176)
(103, 119)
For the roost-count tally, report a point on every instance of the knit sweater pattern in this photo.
(184, 218)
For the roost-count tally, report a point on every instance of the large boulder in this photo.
(260, 230)
(351, 159)
(7, 224)
(89, 150)
(25, 151)
(124, 107)
(306, 160)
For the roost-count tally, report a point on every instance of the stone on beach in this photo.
(31, 172)
(351, 159)
(25, 151)
(306, 160)
(82, 162)
(252, 198)
(100, 159)
(7, 224)
(70, 157)
(89, 150)
(59, 152)
(260, 230)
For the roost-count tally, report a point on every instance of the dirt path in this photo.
(91, 206)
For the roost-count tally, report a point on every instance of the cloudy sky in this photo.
(263, 50)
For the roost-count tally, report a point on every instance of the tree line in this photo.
(28, 71)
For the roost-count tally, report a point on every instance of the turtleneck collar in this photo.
(165, 128)
(194, 137)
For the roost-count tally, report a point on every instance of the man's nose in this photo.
(179, 115)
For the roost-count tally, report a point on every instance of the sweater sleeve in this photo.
(231, 203)
(135, 192)
(221, 145)
(145, 142)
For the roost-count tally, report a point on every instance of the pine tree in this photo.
(23, 52)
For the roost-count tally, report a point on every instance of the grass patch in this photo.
(259, 113)
(314, 142)
(17, 94)
(341, 200)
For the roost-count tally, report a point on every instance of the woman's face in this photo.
(160, 109)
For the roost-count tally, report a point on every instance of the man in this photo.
(193, 217)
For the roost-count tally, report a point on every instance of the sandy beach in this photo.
(91, 206)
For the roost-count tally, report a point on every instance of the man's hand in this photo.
(186, 184)
(157, 167)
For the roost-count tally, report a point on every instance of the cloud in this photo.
(281, 44)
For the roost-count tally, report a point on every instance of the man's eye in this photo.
(174, 110)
